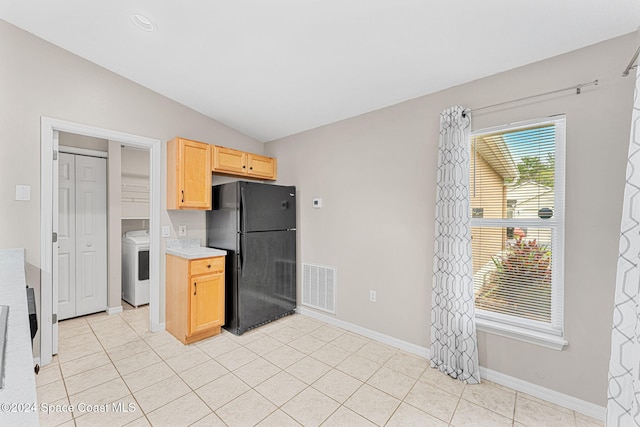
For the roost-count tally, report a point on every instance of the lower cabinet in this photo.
(195, 297)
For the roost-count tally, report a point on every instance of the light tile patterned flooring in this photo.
(296, 371)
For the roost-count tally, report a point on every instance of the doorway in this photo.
(49, 149)
(82, 234)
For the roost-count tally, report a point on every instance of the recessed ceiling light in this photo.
(142, 22)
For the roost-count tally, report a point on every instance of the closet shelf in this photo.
(134, 200)
(135, 188)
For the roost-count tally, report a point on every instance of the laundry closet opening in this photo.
(103, 227)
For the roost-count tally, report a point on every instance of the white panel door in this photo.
(82, 235)
(91, 235)
(66, 236)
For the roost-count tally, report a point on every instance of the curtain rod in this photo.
(625, 73)
(577, 88)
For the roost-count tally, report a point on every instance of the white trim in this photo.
(385, 339)
(36, 361)
(114, 310)
(521, 334)
(46, 242)
(83, 151)
(558, 243)
(551, 396)
(55, 252)
(517, 322)
(47, 127)
(520, 124)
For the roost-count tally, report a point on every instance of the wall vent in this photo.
(319, 287)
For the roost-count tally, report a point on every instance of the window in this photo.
(517, 179)
(511, 207)
(477, 212)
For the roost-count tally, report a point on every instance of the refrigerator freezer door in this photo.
(267, 207)
(222, 220)
(266, 277)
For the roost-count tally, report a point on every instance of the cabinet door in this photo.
(261, 166)
(229, 160)
(206, 302)
(194, 175)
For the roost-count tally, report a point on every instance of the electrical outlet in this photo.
(166, 231)
(372, 296)
(182, 230)
(23, 192)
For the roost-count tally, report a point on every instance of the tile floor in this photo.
(296, 371)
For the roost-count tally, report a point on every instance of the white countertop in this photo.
(191, 249)
(19, 390)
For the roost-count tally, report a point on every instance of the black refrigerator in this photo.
(256, 224)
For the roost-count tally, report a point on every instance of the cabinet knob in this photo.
(251, 168)
(182, 196)
(209, 266)
(195, 288)
(243, 167)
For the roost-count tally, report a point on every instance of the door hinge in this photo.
(55, 237)
(55, 154)
(55, 319)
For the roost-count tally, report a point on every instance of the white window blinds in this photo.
(517, 210)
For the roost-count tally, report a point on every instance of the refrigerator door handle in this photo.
(243, 244)
(243, 211)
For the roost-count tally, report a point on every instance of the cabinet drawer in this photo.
(207, 265)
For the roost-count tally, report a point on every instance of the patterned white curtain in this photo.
(623, 408)
(454, 348)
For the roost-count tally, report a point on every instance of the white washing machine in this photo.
(135, 267)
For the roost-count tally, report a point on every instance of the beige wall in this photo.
(82, 141)
(376, 175)
(38, 79)
(135, 162)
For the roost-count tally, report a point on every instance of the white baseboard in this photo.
(114, 310)
(157, 327)
(384, 339)
(564, 400)
(552, 396)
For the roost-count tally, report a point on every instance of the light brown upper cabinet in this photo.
(228, 160)
(188, 174)
(261, 166)
(239, 163)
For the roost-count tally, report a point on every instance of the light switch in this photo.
(23, 192)
(166, 231)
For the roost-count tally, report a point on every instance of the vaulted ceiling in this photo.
(272, 68)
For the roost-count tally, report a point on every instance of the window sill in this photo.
(533, 337)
